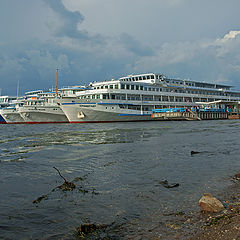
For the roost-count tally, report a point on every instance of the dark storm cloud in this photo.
(70, 19)
(135, 46)
(39, 36)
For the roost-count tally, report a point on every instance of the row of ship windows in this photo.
(34, 103)
(157, 77)
(143, 88)
(107, 87)
(180, 82)
(139, 78)
(6, 100)
(139, 107)
(132, 87)
(149, 98)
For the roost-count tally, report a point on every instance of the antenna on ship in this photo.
(17, 89)
(56, 81)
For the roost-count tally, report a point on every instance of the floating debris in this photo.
(82, 190)
(167, 185)
(88, 228)
(77, 179)
(39, 199)
(66, 186)
(194, 152)
(109, 163)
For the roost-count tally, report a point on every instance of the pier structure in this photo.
(204, 111)
(231, 107)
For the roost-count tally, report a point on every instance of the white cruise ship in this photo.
(5, 101)
(6, 105)
(132, 98)
(10, 114)
(43, 107)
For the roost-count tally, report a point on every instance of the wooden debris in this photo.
(88, 228)
(167, 185)
(39, 199)
(66, 186)
(194, 152)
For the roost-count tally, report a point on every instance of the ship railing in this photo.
(193, 109)
(165, 110)
(216, 110)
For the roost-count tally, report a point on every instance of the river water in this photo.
(117, 169)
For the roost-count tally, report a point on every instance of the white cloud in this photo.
(231, 35)
(228, 45)
(205, 60)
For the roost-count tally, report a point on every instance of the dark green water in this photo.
(117, 169)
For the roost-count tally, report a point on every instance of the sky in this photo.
(95, 40)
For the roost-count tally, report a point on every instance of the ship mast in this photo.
(56, 81)
(18, 89)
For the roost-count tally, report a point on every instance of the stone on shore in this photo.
(208, 203)
(237, 176)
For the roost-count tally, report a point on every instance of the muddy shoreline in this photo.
(177, 224)
(224, 225)
(198, 225)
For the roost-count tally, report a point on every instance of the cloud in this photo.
(69, 20)
(204, 60)
(158, 21)
(45, 62)
(23, 20)
(53, 35)
(135, 46)
(231, 35)
(227, 47)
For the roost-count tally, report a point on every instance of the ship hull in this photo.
(2, 120)
(11, 116)
(95, 113)
(42, 115)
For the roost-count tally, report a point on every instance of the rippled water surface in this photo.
(117, 169)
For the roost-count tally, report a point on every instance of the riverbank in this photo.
(226, 224)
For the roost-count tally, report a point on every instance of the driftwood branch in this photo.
(61, 175)
(66, 186)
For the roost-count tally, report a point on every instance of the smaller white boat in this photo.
(11, 115)
(8, 109)
(5, 101)
(42, 109)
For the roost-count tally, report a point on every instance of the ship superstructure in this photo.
(132, 98)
